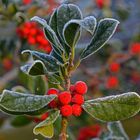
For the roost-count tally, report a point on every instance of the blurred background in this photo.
(115, 69)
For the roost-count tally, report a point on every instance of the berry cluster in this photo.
(114, 67)
(69, 102)
(89, 132)
(112, 81)
(34, 35)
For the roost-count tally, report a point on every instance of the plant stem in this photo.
(64, 124)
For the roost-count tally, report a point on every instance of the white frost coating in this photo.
(81, 22)
(26, 51)
(115, 96)
(39, 20)
(32, 65)
(59, 8)
(24, 95)
(45, 25)
(52, 15)
(121, 130)
(117, 22)
(49, 121)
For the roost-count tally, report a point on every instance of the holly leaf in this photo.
(45, 128)
(37, 85)
(73, 26)
(71, 39)
(103, 33)
(17, 103)
(53, 22)
(35, 68)
(116, 131)
(58, 57)
(114, 108)
(65, 13)
(51, 64)
(38, 68)
(50, 35)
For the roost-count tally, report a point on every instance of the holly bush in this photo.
(64, 99)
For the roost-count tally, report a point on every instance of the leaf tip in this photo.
(25, 51)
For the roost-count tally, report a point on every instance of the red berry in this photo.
(25, 2)
(66, 110)
(89, 132)
(33, 24)
(114, 67)
(72, 88)
(112, 82)
(78, 99)
(53, 104)
(76, 110)
(7, 64)
(53, 91)
(44, 116)
(31, 40)
(39, 38)
(100, 3)
(26, 31)
(44, 42)
(33, 31)
(48, 49)
(80, 87)
(135, 77)
(27, 25)
(36, 120)
(135, 49)
(64, 97)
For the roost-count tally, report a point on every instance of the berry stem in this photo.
(64, 123)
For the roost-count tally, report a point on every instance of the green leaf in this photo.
(53, 79)
(19, 89)
(114, 108)
(88, 23)
(20, 121)
(49, 61)
(18, 103)
(73, 26)
(37, 85)
(103, 33)
(53, 22)
(38, 68)
(45, 128)
(50, 35)
(41, 21)
(65, 13)
(57, 57)
(35, 68)
(54, 41)
(116, 131)
(71, 34)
